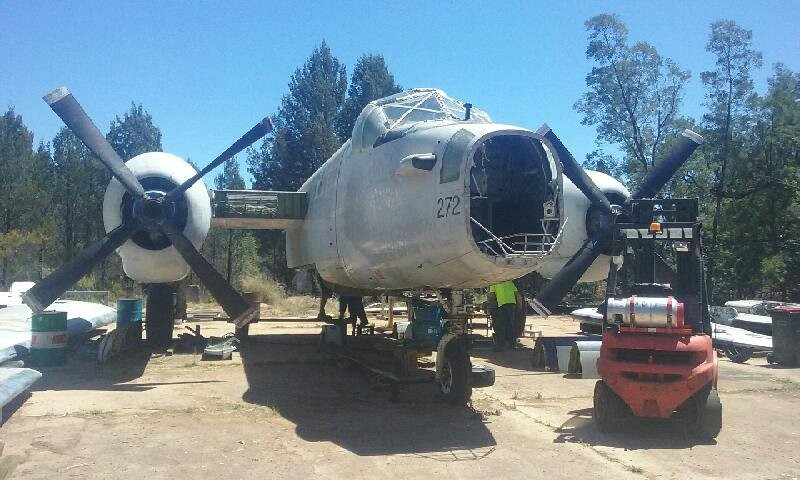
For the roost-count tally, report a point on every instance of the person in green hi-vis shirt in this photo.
(504, 298)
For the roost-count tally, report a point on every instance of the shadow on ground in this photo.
(520, 358)
(635, 434)
(340, 403)
(86, 374)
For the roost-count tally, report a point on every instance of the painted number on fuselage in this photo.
(448, 206)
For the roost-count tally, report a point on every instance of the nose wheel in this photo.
(455, 384)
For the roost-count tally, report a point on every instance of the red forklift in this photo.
(657, 358)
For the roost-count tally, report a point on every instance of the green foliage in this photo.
(727, 128)
(80, 182)
(370, 81)
(233, 252)
(747, 173)
(304, 128)
(25, 199)
(134, 133)
(230, 178)
(633, 96)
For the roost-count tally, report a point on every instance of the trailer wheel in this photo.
(160, 315)
(707, 419)
(738, 354)
(454, 382)
(609, 410)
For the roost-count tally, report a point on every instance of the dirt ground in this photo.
(281, 409)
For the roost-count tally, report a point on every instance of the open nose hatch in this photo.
(513, 197)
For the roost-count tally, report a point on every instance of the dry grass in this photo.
(267, 289)
(276, 301)
(294, 306)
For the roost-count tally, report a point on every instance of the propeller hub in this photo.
(153, 208)
(596, 220)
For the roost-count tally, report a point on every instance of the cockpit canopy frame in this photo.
(392, 117)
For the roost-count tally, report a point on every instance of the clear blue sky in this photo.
(208, 71)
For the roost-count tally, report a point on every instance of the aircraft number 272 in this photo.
(448, 206)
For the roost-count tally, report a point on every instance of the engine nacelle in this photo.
(577, 228)
(148, 256)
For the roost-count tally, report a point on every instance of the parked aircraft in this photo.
(429, 193)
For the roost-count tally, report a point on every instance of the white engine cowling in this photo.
(152, 259)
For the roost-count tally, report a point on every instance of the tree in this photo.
(370, 81)
(80, 183)
(633, 96)
(305, 132)
(24, 199)
(304, 138)
(763, 195)
(234, 252)
(729, 89)
(229, 179)
(134, 133)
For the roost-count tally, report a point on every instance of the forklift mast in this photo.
(660, 243)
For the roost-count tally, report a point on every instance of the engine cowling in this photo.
(148, 256)
(579, 226)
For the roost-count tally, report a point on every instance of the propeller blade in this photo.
(64, 104)
(659, 175)
(259, 130)
(235, 306)
(47, 290)
(566, 278)
(575, 172)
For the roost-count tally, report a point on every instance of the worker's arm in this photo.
(491, 300)
(491, 303)
(520, 301)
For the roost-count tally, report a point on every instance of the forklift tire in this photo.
(609, 410)
(159, 319)
(707, 420)
(454, 384)
(738, 354)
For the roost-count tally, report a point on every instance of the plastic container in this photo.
(786, 335)
(48, 339)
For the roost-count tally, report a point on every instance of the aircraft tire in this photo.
(455, 384)
(159, 320)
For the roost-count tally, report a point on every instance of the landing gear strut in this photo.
(160, 315)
